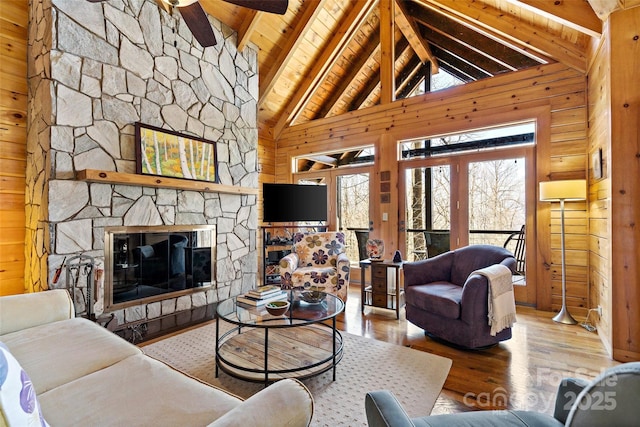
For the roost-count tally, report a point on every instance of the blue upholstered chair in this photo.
(445, 299)
(609, 400)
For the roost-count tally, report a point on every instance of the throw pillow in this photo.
(18, 400)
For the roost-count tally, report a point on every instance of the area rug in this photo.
(415, 377)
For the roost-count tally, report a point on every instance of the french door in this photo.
(348, 202)
(471, 198)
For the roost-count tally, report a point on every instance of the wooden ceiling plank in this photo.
(423, 72)
(387, 51)
(368, 93)
(441, 27)
(406, 73)
(329, 54)
(248, 27)
(409, 29)
(346, 82)
(458, 47)
(576, 14)
(519, 35)
(304, 22)
(460, 64)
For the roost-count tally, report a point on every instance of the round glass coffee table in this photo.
(253, 345)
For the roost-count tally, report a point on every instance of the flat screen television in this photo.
(294, 202)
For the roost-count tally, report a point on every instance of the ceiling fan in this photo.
(196, 18)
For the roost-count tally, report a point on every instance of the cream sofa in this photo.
(83, 374)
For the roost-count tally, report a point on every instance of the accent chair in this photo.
(611, 399)
(319, 260)
(450, 303)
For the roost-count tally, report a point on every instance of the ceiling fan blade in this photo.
(271, 6)
(198, 23)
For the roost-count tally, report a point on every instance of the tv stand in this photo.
(277, 242)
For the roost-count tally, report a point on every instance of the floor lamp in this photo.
(561, 191)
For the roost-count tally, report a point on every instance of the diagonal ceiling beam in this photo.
(367, 53)
(248, 27)
(410, 30)
(526, 38)
(306, 19)
(330, 53)
(421, 73)
(466, 43)
(405, 74)
(576, 14)
(374, 80)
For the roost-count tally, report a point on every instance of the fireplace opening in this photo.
(145, 264)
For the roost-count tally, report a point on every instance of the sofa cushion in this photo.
(440, 298)
(75, 346)
(137, 391)
(18, 402)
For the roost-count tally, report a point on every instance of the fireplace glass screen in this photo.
(149, 262)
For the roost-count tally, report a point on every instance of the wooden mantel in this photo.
(111, 177)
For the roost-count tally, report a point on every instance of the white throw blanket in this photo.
(502, 303)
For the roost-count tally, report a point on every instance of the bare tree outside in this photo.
(496, 197)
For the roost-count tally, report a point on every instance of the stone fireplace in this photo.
(94, 70)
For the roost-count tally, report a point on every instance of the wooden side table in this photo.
(378, 293)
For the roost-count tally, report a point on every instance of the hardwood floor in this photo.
(521, 373)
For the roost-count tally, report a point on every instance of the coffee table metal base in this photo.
(269, 354)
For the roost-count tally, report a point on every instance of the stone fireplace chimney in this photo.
(94, 70)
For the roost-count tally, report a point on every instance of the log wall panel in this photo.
(599, 211)
(555, 86)
(625, 198)
(13, 143)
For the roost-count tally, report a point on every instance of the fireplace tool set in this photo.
(77, 268)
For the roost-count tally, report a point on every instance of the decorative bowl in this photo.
(277, 308)
(313, 296)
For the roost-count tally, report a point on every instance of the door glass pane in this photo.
(496, 200)
(428, 215)
(353, 212)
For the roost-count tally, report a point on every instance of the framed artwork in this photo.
(162, 152)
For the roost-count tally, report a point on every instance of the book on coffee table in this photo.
(256, 301)
(265, 291)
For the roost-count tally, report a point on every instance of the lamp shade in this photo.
(571, 189)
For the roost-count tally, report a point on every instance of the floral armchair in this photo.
(319, 260)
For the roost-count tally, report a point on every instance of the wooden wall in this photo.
(625, 180)
(561, 152)
(599, 188)
(13, 141)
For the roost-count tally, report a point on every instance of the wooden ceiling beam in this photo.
(374, 80)
(576, 14)
(524, 37)
(410, 30)
(248, 27)
(387, 52)
(406, 73)
(459, 47)
(473, 45)
(327, 58)
(461, 64)
(422, 73)
(346, 82)
(304, 22)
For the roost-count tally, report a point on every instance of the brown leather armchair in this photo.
(450, 303)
